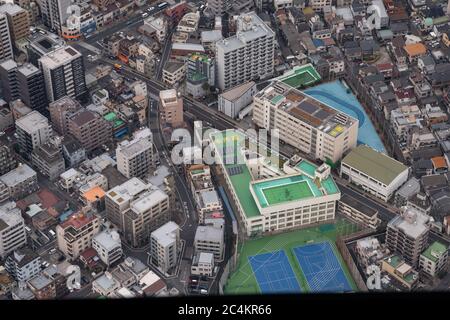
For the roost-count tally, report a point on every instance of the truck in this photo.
(117, 66)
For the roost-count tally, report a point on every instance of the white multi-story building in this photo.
(434, 259)
(108, 246)
(304, 122)
(248, 55)
(33, 130)
(210, 239)
(63, 71)
(23, 264)
(319, 5)
(407, 234)
(203, 264)
(135, 157)
(55, 13)
(375, 172)
(304, 192)
(218, 7)
(12, 229)
(165, 246)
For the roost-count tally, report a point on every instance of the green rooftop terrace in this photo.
(435, 251)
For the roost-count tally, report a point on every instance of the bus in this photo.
(163, 5)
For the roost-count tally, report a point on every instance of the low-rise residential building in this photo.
(108, 246)
(358, 211)
(49, 160)
(20, 182)
(210, 239)
(401, 271)
(75, 234)
(23, 264)
(374, 172)
(173, 73)
(203, 264)
(165, 247)
(171, 107)
(434, 259)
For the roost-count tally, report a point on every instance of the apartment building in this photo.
(218, 7)
(49, 160)
(137, 208)
(108, 246)
(60, 111)
(55, 13)
(319, 5)
(248, 55)
(374, 172)
(75, 234)
(433, 260)
(165, 247)
(7, 160)
(210, 239)
(63, 71)
(32, 130)
(304, 122)
(12, 229)
(407, 234)
(8, 77)
(6, 50)
(171, 107)
(173, 72)
(358, 211)
(135, 157)
(203, 264)
(20, 181)
(200, 73)
(18, 20)
(90, 129)
(23, 264)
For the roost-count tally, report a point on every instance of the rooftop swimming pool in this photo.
(337, 96)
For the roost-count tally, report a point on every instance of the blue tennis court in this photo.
(274, 273)
(321, 268)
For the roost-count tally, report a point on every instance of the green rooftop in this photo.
(394, 261)
(111, 116)
(285, 189)
(307, 167)
(374, 164)
(301, 76)
(435, 251)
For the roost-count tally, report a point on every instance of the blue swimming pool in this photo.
(335, 94)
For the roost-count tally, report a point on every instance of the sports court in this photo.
(257, 270)
(321, 268)
(287, 192)
(274, 273)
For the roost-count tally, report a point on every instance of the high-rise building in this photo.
(31, 87)
(304, 122)
(12, 229)
(89, 129)
(248, 55)
(6, 51)
(165, 246)
(171, 107)
(137, 209)
(135, 157)
(63, 71)
(24, 82)
(76, 233)
(8, 78)
(41, 44)
(7, 160)
(55, 13)
(60, 111)
(407, 234)
(18, 21)
(33, 130)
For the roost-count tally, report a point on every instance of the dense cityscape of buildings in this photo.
(132, 157)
